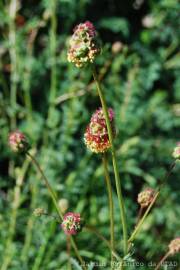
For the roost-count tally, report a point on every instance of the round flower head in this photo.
(96, 136)
(176, 152)
(18, 142)
(72, 223)
(83, 45)
(174, 246)
(39, 212)
(145, 197)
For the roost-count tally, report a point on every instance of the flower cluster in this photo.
(72, 223)
(176, 152)
(96, 136)
(174, 246)
(18, 142)
(83, 45)
(39, 212)
(145, 197)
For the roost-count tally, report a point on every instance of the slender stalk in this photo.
(110, 199)
(139, 225)
(162, 260)
(68, 247)
(53, 196)
(101, 237)
(53, 30)
(13, 59)
(114, 160)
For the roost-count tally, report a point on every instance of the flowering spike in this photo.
(145, 197)
(39, 212)
(72, 223)
(96, 136)
(174, 246)
(83, 45)
(176, 152)
(18, 142)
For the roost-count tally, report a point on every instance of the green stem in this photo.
(162, 260)
(110, 199)
(139, 225)
(53, 196)
(100, 236)
(114, 160)
(53, 30)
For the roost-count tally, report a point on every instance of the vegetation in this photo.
(52, 101)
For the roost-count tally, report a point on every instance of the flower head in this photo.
(174, 246)
(63, 205)
(39, 212)
(176, 152)
(18, 142)
(145, 197)
(72, 223)
(96, 136)
(83, 45)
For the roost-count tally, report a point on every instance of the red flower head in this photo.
(72, 223)
(176, 152)
(96, 135)
(18, 142)
(83, 45)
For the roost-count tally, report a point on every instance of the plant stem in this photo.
(139, 225)
(13, 59)
(162, 260)
(110, 199)
(114, 160)
(53, 86)
(53, 196)
(100, 236)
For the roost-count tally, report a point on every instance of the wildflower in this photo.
(145, 197)
(18, 142)
(117, 47)
(96, 136)
(176, 152)
(38, 212)
(83, 45)
(174, 246)
(63, 205)
(72, 223)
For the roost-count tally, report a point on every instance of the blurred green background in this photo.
(52, 101)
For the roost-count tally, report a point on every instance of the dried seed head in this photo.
(39, 212)
(176, 152)
(83, 45)
(145, 197)
(63, 205)
(96, 136)
(174, 246)
(72, 223)
(18, 142)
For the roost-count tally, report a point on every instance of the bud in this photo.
(176, 152)
(174, 246)
(148, 21)
(72, 223)
(117, 47)
(39, 212)
(145, 197)
(18, 142)
(63, 205)
(83, 45)
(96, 136)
